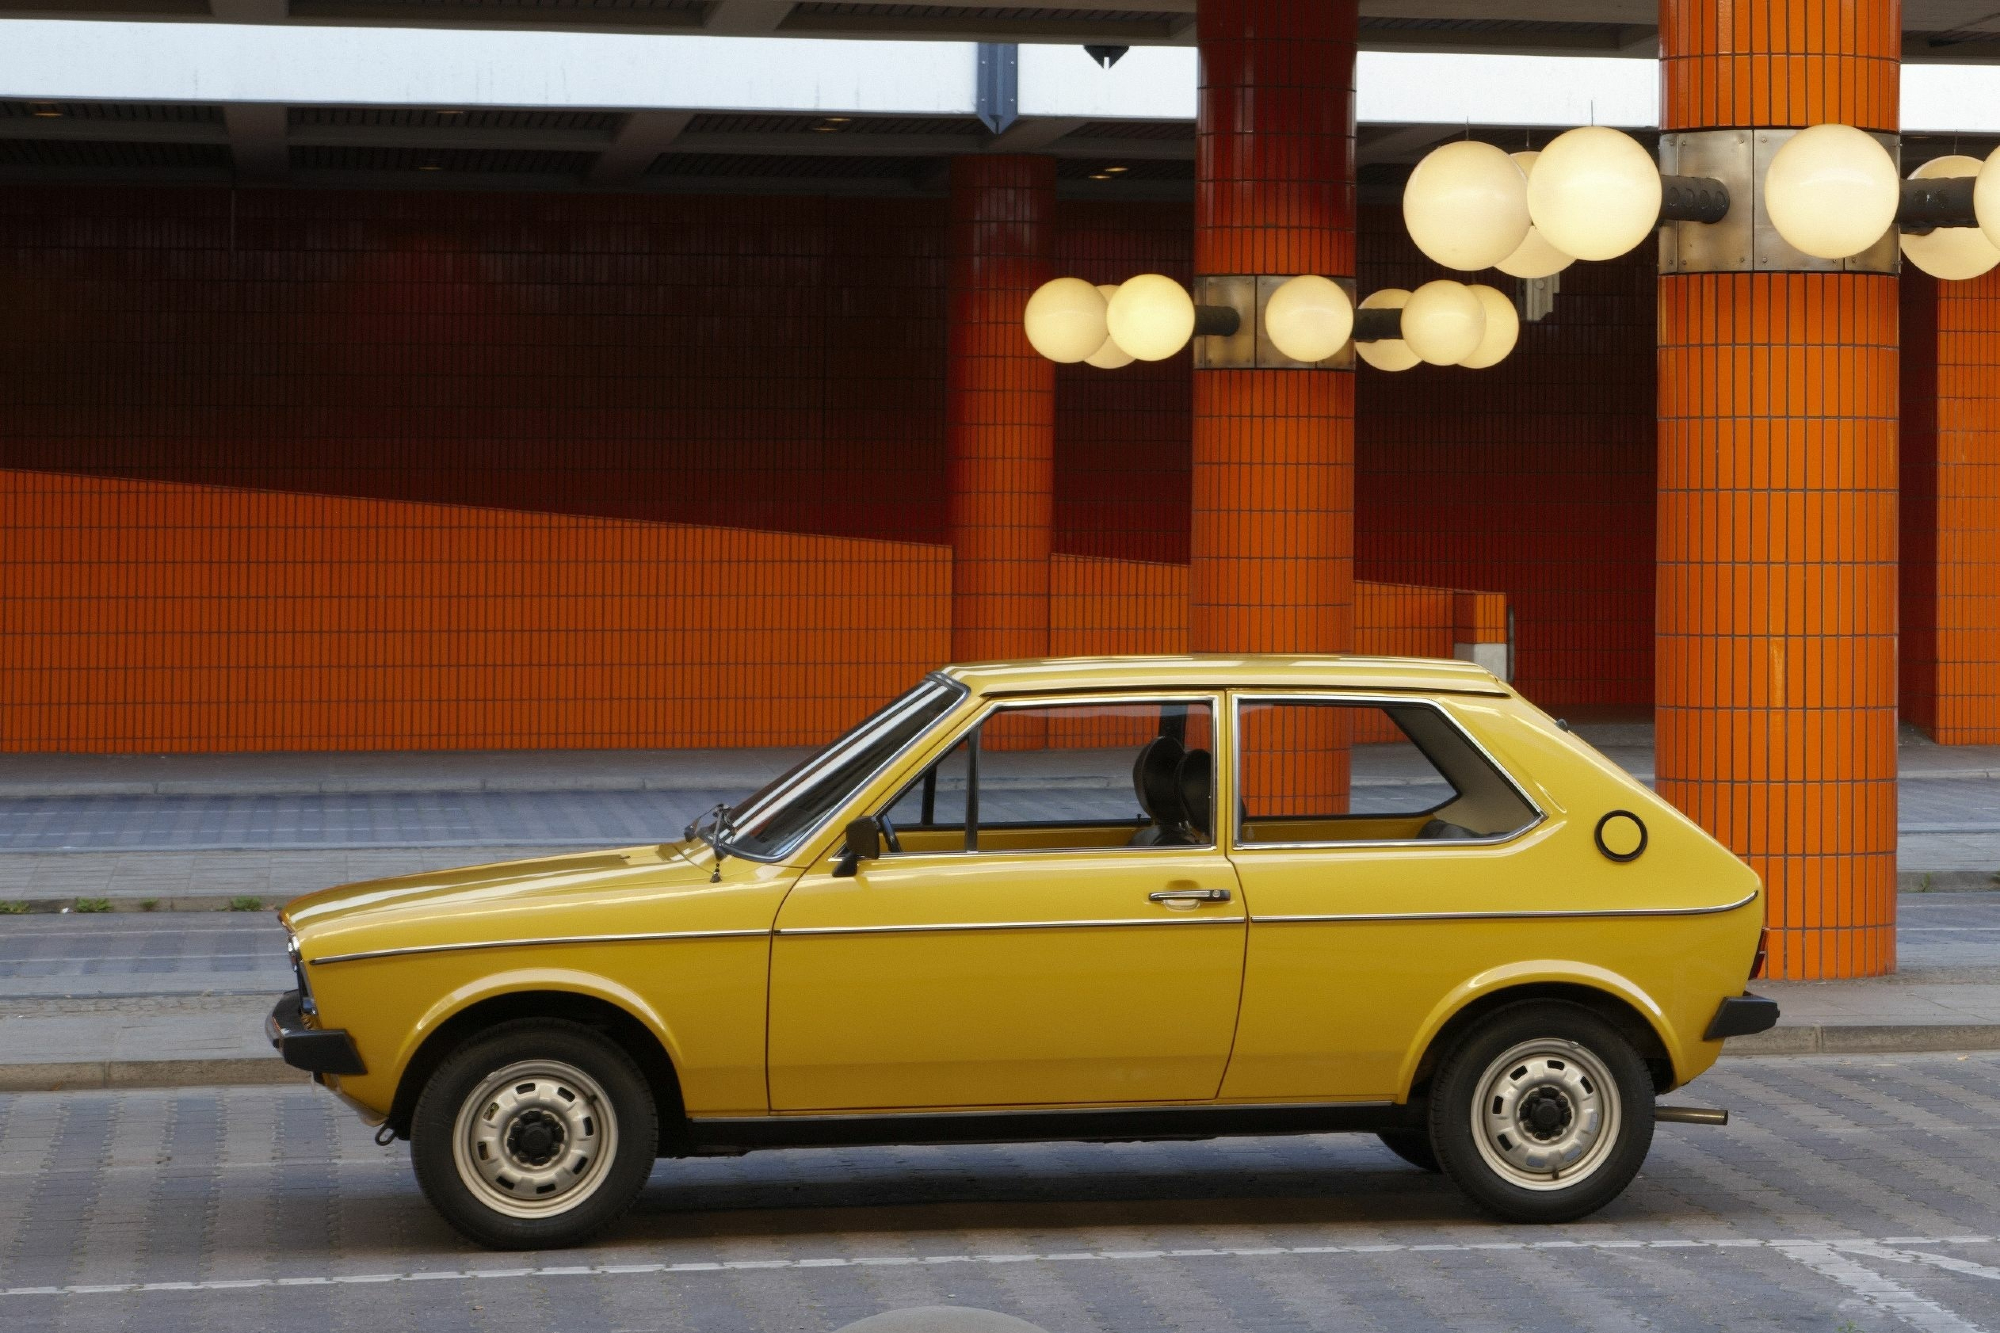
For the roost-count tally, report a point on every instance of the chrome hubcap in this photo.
(535, 1138)
(1547, 1114)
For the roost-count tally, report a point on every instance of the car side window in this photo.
(1075, 776)
(1327, 770)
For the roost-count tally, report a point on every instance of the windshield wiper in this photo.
(714, 835)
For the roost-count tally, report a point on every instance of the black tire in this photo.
(1413, 1146)
(1501, 1134)
(570, 1090)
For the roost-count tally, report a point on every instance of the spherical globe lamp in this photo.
(1443, 322)
(1986, 197)
(1309, 318)
(1831, 191)
(1952, 253)
(1109, 356)
(1594, 193)
(1466, 205)
(1065, 319)
(1152, 317)
(1386, 353)
(1534, 257)
(1503, 329)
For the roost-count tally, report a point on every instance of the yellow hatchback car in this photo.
(1092, 899)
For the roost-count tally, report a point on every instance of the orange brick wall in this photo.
(1951, 508)
(152, 616)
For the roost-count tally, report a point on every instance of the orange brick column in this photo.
(1000, 405)
(1952, 542)
(1776, 676)
(1272, 544)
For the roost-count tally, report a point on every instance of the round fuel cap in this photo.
(1621, 835)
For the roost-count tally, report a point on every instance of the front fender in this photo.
(377, 1089)
(1533, 972)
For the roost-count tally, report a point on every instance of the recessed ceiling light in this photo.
(46, 109)
(1115, 170)
(429, 166)
(1102, 176)
(831, 124)
(451, 113)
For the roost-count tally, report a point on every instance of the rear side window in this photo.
(1326, 770)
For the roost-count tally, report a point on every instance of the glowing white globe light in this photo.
(1109, 356)
(1986, 197)
(1952, 253)
(1534, 257)
(1594, 193)
(1152, 317)
(1443, 322)
(1466, 205)
(1386, 353)
(1831, 191)
(1065, 319)
(1309, 317)
(1503, 329)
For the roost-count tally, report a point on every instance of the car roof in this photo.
(1226, 670)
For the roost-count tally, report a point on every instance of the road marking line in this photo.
(1875, 1250)
(1876, 1290)
(1792, 1247)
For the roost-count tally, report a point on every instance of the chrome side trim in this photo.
(1022, 1113)
(553, 939)
(1506, 916)
(954, 926)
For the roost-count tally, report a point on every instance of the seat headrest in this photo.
(1195, 777)
(1153, 780)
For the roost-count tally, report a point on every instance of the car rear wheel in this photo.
(535, 1135)
(1543, 1113)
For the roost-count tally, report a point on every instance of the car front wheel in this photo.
(536, 1135)
(1543, 1113)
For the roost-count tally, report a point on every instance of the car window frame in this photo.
(1216, 700)
(1238, 698)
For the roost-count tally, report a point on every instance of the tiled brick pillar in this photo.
(1951, 538)
(1776, 667)
(1272, 541)
(1001, 408)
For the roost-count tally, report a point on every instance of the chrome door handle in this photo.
(1171, 897)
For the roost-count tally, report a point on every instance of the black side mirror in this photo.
(864, 843)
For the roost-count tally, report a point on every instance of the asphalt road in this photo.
(1849, 1194)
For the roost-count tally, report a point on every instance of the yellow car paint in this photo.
(1040, 975)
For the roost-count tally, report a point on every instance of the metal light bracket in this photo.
(1248, 346)
(1941, 201)
(1744, 241)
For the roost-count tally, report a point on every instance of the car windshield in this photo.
(773, 820)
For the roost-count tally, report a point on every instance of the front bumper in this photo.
(1741, 1015)
(315, 1050)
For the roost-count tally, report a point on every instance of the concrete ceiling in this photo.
(1954, 30)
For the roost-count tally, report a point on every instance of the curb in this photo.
(71, 1076)
(1868, 1038)
(262, 1071)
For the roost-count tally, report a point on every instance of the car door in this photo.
(1375, 840)
(1040, 931)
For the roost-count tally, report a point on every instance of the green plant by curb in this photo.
(246, 904)
(149, 904)
(13, 909)
(93, 904)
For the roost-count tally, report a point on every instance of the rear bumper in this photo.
(1740, 1016)
(315, 1050)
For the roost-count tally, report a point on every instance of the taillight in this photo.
(1763, 947)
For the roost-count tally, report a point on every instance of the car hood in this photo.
(500, 887)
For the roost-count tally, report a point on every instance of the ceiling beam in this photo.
(250, 11)
(257, 141)
(745, 17)
(444, 136)
(116, 131)
(643, 137)
(1033, 134)
(1405, 144)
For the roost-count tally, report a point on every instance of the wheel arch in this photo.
(632, 1033)
(1612, 998)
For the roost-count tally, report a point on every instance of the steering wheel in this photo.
(889, 838)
